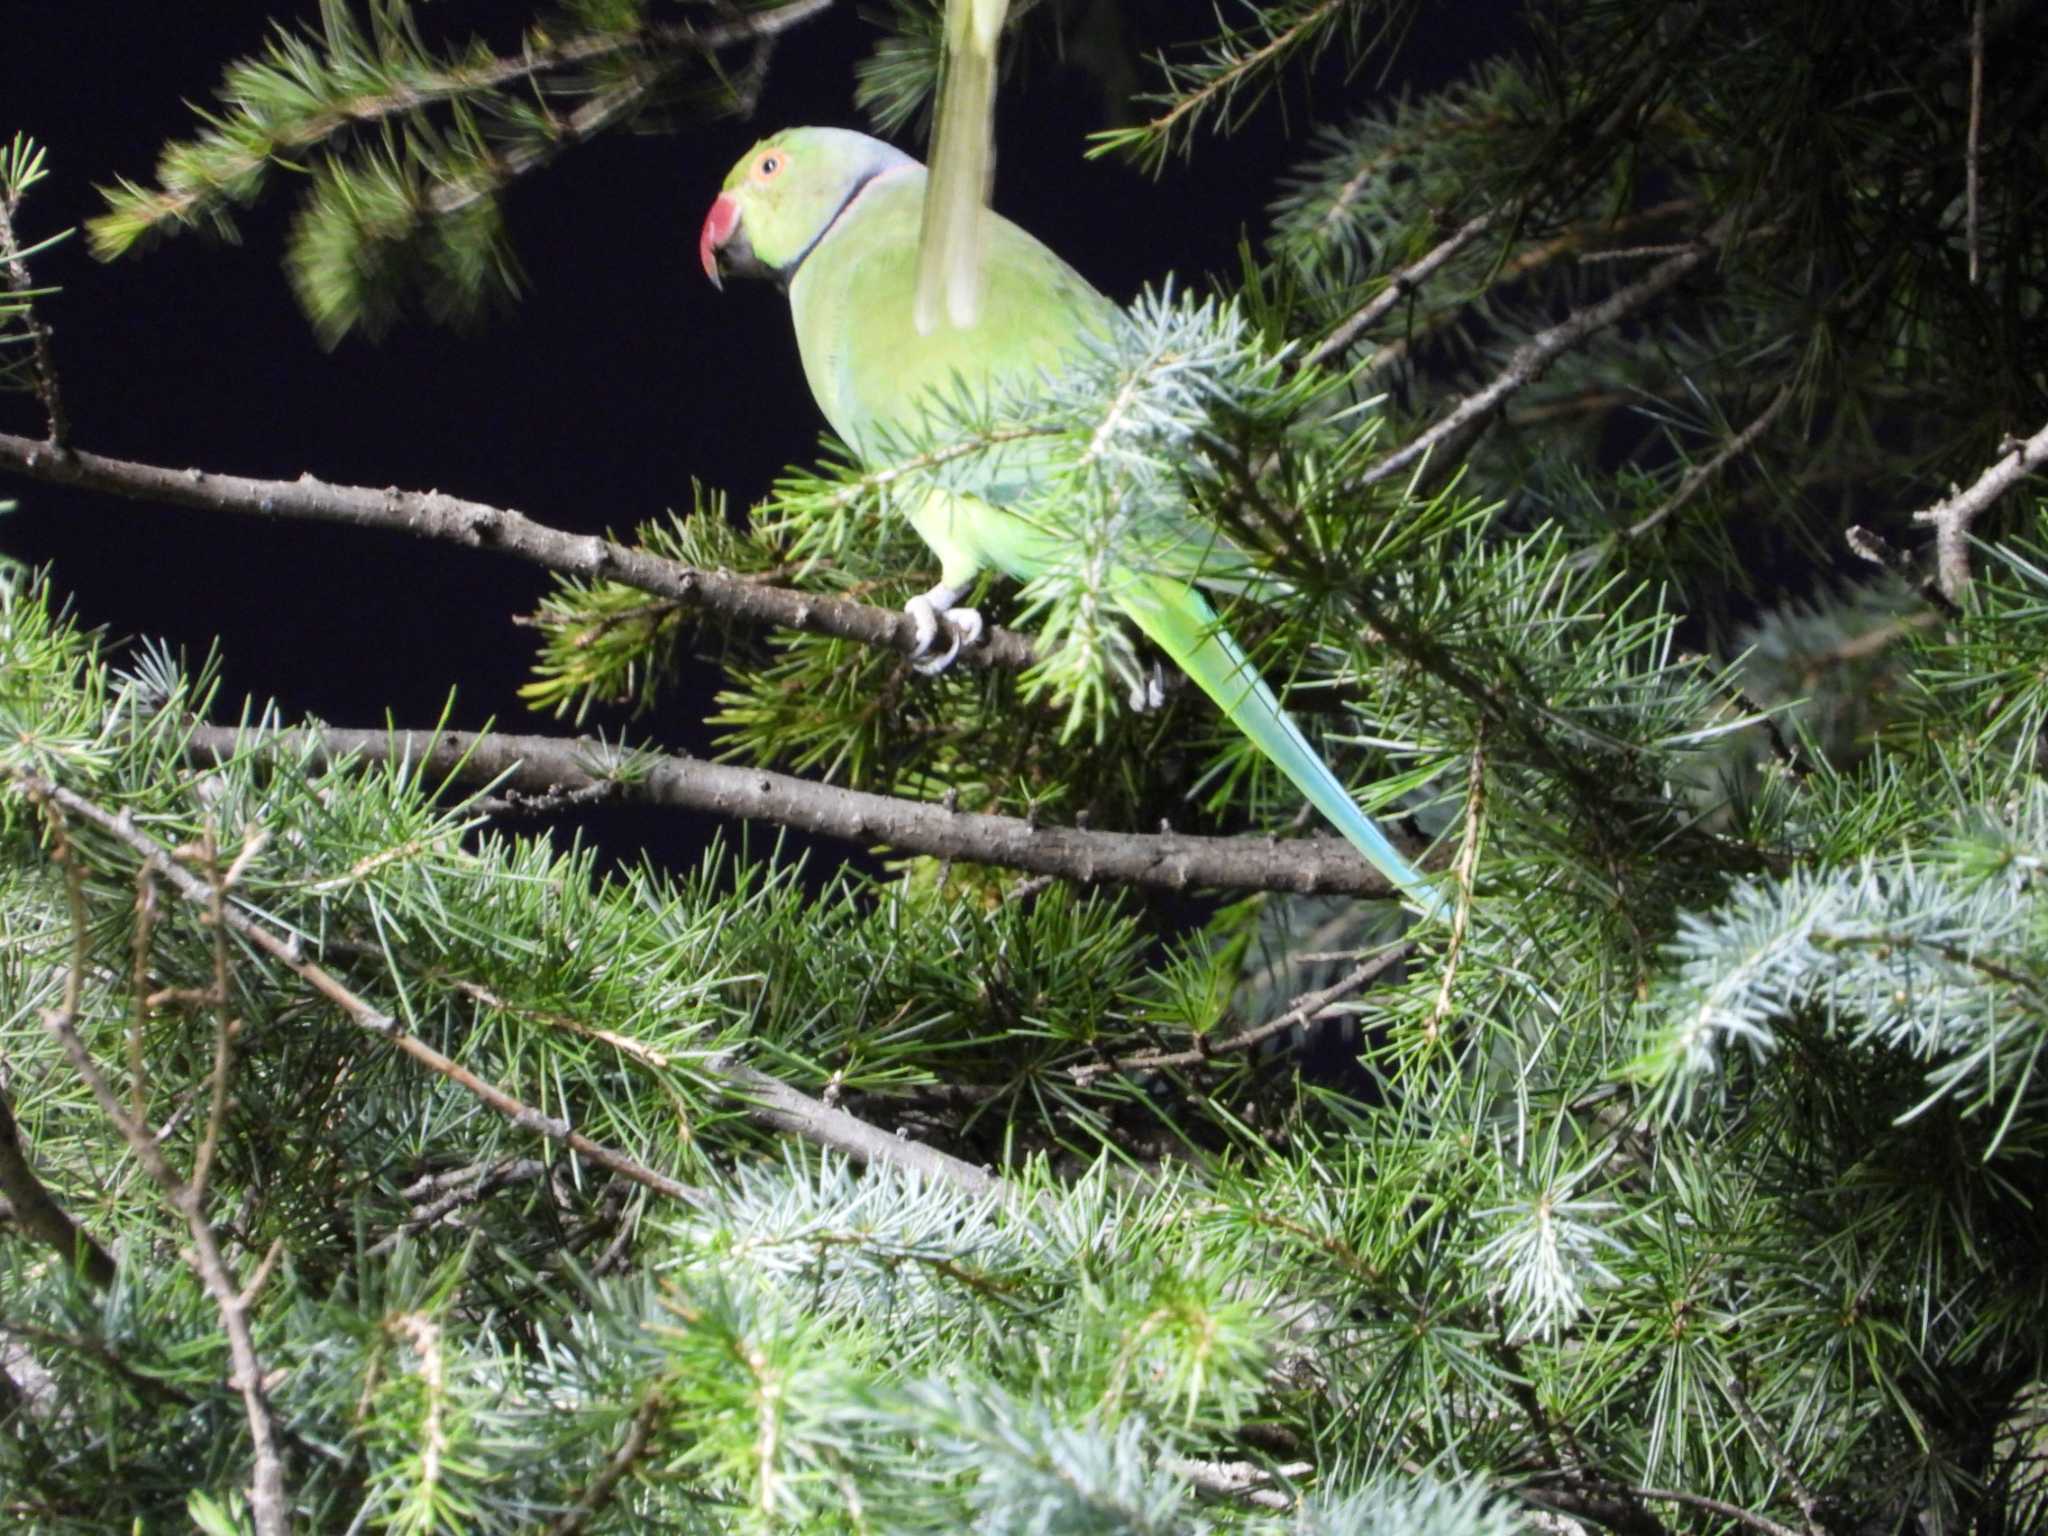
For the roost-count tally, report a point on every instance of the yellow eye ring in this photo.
(770, 165)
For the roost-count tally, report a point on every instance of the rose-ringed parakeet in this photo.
(835, 217)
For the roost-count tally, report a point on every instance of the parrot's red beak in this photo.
(719, 226)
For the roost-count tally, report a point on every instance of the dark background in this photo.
(591, 406)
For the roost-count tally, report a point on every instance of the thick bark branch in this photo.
(547, 766)
(475, 525)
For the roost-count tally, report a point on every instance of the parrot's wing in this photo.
(953, 238)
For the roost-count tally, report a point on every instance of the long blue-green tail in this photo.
(1179, 620)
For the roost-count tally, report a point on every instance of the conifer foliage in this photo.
(1632, 443)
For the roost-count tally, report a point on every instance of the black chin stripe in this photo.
(788, 273)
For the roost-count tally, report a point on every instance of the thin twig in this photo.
(1718, 1506)
(1572, 243)
(37, 1212)
(1195, 102)
(594, 1497)
(774, 1104)
(1529, 361)
(475, 525)
(197, 891)
(1769, 1444)
(268, 1502)
(1952, 517)
(548, 766)
(224, 1027)
(41, 361)
(1699, 475)
(1468, 864)
(1303, 1010)
(1399, 286)
(1971, 155)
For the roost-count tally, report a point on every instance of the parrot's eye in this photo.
(770, 165)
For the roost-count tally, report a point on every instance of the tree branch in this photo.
(193, 888)
(1528, 362)
(1303, 1010)
(773, 1103)
(556, 766)
(1399, 286)
(1700, 474)
(1971, 157)
(37, 1212)
(1721, 1507)
(269, 1504)
(639, 1429)
(285, 140)
(1952, 517)
(42, 365)
(475, 525)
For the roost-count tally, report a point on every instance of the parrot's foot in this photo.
(933, 610)
(1149, 692)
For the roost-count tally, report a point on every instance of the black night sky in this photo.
(620, 377)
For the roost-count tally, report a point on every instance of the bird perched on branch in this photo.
(838, 219)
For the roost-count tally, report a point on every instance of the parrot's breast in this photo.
(873, 374)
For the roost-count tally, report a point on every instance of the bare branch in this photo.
(193, 888)
(43, 366)
(776, 1105)
(1952, 518)
(552, 766)
(1303, 1010)
(37, 1212)
(1528, 362)
(475, 525)
(268, 1502)
(1697, 477)
(1399, 286)
(1972, 153)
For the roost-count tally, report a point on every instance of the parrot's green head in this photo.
(785, 194)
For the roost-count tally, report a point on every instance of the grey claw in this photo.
(1149, 692)
(963, 626)
(924, 620)
(932, 666)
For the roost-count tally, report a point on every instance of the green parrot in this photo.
(835, 217)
